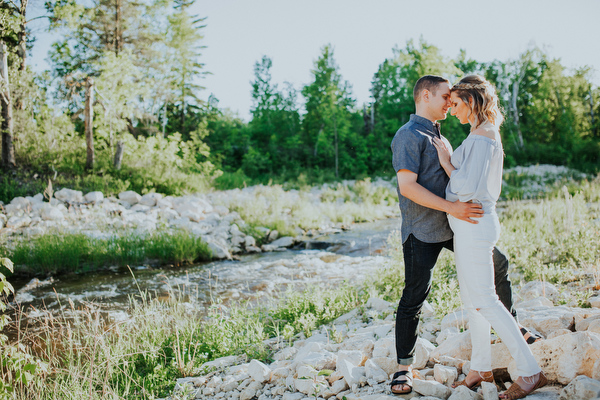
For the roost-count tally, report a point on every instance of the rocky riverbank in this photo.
(353, 357)
(207, 216)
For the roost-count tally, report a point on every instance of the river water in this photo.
(348, 255)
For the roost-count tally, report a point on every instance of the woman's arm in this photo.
(444, 156)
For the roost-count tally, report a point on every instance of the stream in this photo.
(342, 255)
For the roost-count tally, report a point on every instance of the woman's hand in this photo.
(444, 156)
(443, 152)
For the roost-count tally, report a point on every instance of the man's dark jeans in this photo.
(419, 260)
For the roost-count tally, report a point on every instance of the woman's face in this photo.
(459, 109)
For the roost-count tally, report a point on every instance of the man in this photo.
(425, 229)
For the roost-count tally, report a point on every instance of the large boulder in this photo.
(458, 346)
(565, 357)
(93, 197)
(69, 196)
(50, 213)
(581, 387)
(535, 289)
(130, 197)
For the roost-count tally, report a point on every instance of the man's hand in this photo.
(466, 211)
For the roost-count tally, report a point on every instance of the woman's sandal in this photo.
(477, 383)
(532, 338)
(407, 381)
(516, 392)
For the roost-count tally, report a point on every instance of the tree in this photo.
(6, 106)
(328, 119)
(275, 124)
(184, 48)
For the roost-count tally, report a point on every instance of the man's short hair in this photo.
(429, 82)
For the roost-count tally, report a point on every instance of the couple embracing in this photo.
(448, 200)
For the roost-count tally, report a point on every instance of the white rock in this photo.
(533, 303)
(321, 360)
(309, 386)
(354, 357)
(384, 347)
(286, 241)
(150, 199)
(565, 357)
(458, 346)
(383, 330)
(464, 393)
(259, 371)
(374, 372)
(339, 386)
(423, 349)
(457, 319)
(351, 372)
(584, 324)
(431, 388)
(489, 391)
(94, 197)
(218, 251)
(219, 364)
(139, 208)
(193, 216)
(594, 301)
(388, 364)
(535, 289)
(130, 197)
(378, 304)
(443, 374)
(49, 213)
(293, 396)
(249, 241)
(558, 332)
(18, 222)
(581, 387)
(69, 196)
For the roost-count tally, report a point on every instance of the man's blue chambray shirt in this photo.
(413, 149)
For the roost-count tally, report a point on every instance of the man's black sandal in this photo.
(407, 375)
(533, 337)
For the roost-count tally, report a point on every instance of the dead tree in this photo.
(119, 155)
(89, 122)
(8, 149)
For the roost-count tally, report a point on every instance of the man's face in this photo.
(440, 102)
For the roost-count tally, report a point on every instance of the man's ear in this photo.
(425, 94)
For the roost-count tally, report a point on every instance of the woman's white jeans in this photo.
(473, 246)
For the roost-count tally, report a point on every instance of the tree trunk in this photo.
(515, 111)
(22, 35)
(335, 133)
(593, 121)
(89, 122)
(119, 155)
(118, 33)
(8, 149)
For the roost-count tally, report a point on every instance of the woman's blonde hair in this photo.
(480, 96)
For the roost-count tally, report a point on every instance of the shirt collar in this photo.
(431, 126)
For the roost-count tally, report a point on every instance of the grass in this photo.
(275, 208)
(93, 358)
(67, 253)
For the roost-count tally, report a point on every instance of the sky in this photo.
(363, 33)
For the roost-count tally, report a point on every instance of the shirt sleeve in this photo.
(406, 152)
(469, 179)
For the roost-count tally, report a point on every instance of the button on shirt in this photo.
(413, 150)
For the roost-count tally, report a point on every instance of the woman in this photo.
(475, 171)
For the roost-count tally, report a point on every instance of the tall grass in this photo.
(62, 253)
(94, 358)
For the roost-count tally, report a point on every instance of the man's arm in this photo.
(409, 188)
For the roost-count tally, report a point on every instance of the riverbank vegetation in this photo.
(61, 253)
(554, 239)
